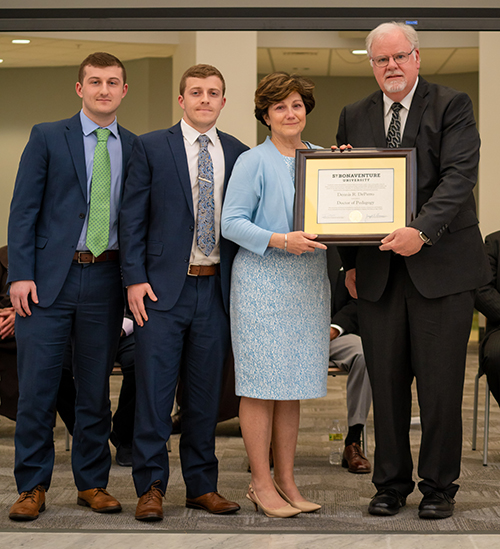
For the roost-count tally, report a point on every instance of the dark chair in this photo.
(486, 415)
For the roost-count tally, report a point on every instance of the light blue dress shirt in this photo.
(116, 160)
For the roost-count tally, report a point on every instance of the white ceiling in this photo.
(341, 62)
(53, 52)
(320, 61)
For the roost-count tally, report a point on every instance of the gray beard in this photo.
(395, 87)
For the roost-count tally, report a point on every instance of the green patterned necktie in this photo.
(98, 228)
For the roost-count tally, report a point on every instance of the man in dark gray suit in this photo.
(416, 291)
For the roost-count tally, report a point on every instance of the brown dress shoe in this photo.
(99, 501)
(354, 459)
(29, 505)
(149, 507)
(214, 503)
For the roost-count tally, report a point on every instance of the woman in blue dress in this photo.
(280, 296)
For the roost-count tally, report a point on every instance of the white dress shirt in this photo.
(192, 147)
(403, 113)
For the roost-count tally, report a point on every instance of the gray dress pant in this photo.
(346, 353)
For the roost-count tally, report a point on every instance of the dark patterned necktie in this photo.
(205, 226)
(98, 227)
(394, 133)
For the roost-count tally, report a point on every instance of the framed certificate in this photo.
(357, 196)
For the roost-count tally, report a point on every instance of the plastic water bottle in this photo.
(336, 438)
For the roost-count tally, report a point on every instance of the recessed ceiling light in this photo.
(359, 52)
(21, 41)
(1, 60)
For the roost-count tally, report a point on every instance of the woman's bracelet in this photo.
(286, 241)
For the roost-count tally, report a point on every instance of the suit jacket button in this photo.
(82, 216)
(191, 228)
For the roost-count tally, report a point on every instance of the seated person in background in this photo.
(488, 303)
(346, 353)
(122, 433)
(8, 352)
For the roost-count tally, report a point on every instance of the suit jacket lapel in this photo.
(376, 117)
(127, 140)
(74, 138)
(417, 108)
(176, 142)
(229, 159)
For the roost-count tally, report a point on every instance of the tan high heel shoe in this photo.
(304, 506)
(283, 512)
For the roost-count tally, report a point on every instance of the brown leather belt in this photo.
(203, 270)
(87, 257)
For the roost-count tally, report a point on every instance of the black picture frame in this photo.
(353, 197)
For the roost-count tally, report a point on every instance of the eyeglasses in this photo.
(399, 58)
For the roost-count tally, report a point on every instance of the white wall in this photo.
(489, 120)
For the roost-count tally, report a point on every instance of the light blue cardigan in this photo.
(259, 198)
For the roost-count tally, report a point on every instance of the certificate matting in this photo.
(354, 197)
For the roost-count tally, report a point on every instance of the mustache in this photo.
(394, 73)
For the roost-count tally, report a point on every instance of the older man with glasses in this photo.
(416, 290)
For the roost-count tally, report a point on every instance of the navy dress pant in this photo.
(89, 309)
(194, 334)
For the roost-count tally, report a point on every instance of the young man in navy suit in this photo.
(416, 290)
(61, 289)
(178, 291)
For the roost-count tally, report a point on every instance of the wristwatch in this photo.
(425, 239)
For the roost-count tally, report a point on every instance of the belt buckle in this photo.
(79, 258)
(189, 270)
(85, 262)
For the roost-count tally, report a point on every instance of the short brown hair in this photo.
(100, 59)
(276, 87)
(201, 71)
